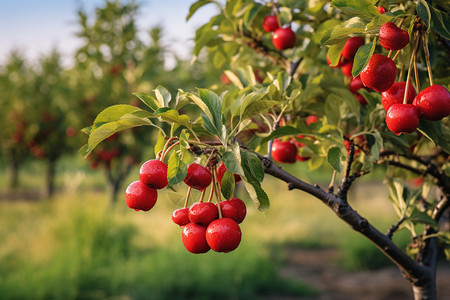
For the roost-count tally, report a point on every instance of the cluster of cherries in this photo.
(205, 225)
(403, 113)
(283, 37)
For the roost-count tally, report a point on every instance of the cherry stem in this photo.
(203, 195)
(333, 179)
(217, 188)
(427, 57)
(274, 9)
(187, 197)
(411, 62)
(211, 194)
(389, 54)
(168, 150)
(396, 55)
(416, 74)
(167, 145)
(401, 22)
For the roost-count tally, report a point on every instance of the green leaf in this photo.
(194, 7)
(341, 32)
(432, 130)
(162, 95)
(232, 163)
(234, 79)
(422, 217)
(214, 109)
(334, 156)
(363, 56)
(256, 107)
(254, 165)
(334, 53)
(148, 100)
(377, 145)
(440, 22)
(357, 7)
(160, 142)
(335, 109)
(172, 116)
(281, 131)
(396, 196)
(424, 12)
(227, 185)
(114, 113)
(315, 163)
(176, 169)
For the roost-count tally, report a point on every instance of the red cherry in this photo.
(181, 216)
(283, 38)
(198, 177)
(194, 238)
(361, 99)
(338, 64)
(381, 9)
(359, 140)
(379, 74)
(284, 152)
(396, 93)
(433, 102)
(224, 78)
(153, 173)
(70, 131)
(234, 209)
(221, 170)
(346, 68)
(223, 235)
(140, 197)
(310, 119)
(392, 37)
(402, 118)
(356, 84)
(351, 46)
(203, 213)
(270, 23)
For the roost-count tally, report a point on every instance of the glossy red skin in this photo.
(393, 38)
(270, 23)
(351, 46)
(346, 68)
(234, 209)
(138, 196)
(381, 9)
(396, 93)
(379, 74)
(221, 171)
(356, 84)
(433, 102)
(153, 173)
(198, 177)
(223, 235)
(310, 119)
(361, 99)
(402, 118)
(283, 38)
(203, 213)
(284, 152)
(194, 238)
(339, 64)
(181, 216)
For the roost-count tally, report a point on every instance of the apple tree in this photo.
(349, 86)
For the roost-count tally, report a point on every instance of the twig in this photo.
(394, 228)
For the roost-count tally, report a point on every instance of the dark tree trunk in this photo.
(14, 167)
(114, 186)
(50, 178)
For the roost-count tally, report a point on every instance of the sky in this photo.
(37, 26)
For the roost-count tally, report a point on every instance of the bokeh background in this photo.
(65, 230)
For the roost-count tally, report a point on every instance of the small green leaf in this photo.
(232, 163)
(148, 100)
(227, 185)
(114, 113)
(334, 156)
(281, 131)
(363, 56)
(162, 95)
(422, 217)
(334, 53)
(194, 7)
(432, 130)
(424, 12)
(377, 145)
(176, 169)
(172, 116)
(254, 165)
(160, 142)
(357, 7)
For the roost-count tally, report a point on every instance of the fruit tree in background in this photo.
(351, 86)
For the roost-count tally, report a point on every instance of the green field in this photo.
(76, 246)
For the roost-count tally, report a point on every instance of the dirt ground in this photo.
(317, 268)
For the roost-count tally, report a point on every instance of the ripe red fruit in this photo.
(234, 209)
(153, 173)
(140, 197)
(224, 78)
(270, 23)
(379, 74)
(396, 93)
(402, 118)
(194, 238)
(356, 84)
(433, 102)
(351, 46)
(198, 177)
(346, 68)
(310, 119)
(221, 170)
(70, 131)
(181, 216)
(223, 235)
(392, 37)
(283, 38)
(203, 213)
(284, 152)
(381, 9)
